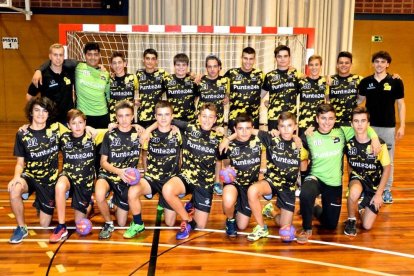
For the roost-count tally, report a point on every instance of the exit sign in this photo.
(10, 42)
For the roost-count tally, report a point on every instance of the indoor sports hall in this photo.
(200, 28)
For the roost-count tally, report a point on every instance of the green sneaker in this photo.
(267, 210)
(106, 231)
(258, 232)
(133, 230)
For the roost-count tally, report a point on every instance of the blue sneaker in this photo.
(19, 234)
(184, 231)
(231, 228)
(217, 188)
(387, 197)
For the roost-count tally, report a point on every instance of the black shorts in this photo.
(120, 192)
(80, 193)
(156, 188)
(202, 197)
(369, 193)
(45, 194)
(242, 203)
(285, 197)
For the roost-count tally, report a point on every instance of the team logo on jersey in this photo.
(335, 82)
(352, 151)
(53, 83)
(238, 77)
(188, 83)
(195, 133)
(67, 81)
(207, 202)
(155, 140)
(32, 142)
(322, 87)
(276, 77)
(352, 83)
(213, 141)
(296, 151)
(204, 86)
(371, 156)
(235, 152)
(142, 77)
(336, 140)
(116, 142)
(253, 78)
(256, 149)
(172, 82)
(158, 78)
(69, 145)
(307, 85)
(172, 140)
(280, 146)
(88, 144)
(103, 78)
(371, 86)
(317, 142)
(52, 138)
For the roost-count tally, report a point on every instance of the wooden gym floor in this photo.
(388, 249)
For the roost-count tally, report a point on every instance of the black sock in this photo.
(137, 219)
(193, 224)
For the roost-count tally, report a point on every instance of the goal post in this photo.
(197, 42)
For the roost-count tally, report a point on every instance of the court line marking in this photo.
(334, 244)
(252, 254)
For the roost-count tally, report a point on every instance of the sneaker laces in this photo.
(58, 228)
(183, 226)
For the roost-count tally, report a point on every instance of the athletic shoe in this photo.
(268, 197)
(218, 189)
(304, 236)
(387, 197)
(184, 231)
(231, 228)
(350, 227)
(58, 234)
(133, 230)
(267, 210)
(106, 231)
(258, 232)
(19, 234)
(189, 207)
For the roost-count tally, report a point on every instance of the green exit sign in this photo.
(376, 38)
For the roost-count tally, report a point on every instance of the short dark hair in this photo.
(249, 50)
(91, 46)
(286, 115)
(381, 54)
(163, 104)
(43, 102)
(118, 54)
(344, 54)
(181, 57)
(325, 108)
(150, 51)
(242, 118)
(360, 110)
(281, 48)
(213, 57)
(124, 104)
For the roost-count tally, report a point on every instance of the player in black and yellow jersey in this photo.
(120, 150)
(283, 159)
(244, 153)
(164, 148)
(369, 174)
(282, 86)
(313, 91)
(123, 85)
(213, 88)
(180, 89)
(343, 89)
(197, 174)
(151, 86)
(245, 88)
(36, 170)
(78, 174)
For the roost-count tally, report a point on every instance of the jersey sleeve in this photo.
(399, 89)
(105, 145)
(19, 150)
(266, 83)
(70, 64)
(384, 156)
(265, 138)
(33, 90)
(100, 136)
(182, 125)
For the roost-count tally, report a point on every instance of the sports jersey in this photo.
(163, 157)
(200, 152)
(312, 93)
(213, 91)
(343, 94)
(58, 88)
(122, 150)
(79, 157)
(121, 88)
(40, 151)
(283, 160)
(151, 86)
(380, 99)
(245, 89)
(282, 86)
(92, 90)
(245, 158)
(365, 165)
(180, 93)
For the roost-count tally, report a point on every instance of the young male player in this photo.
(198, 170)
(245, 88)
(163, 156)
(382, 91)
(180, 89)
(282, 86)
(120, 150)
(244, 154)
(369, 174)
(123, 85)
(36, 168)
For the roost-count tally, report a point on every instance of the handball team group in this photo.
(174, 126)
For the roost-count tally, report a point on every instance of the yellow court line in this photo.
(50, 254)
(60, 268)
